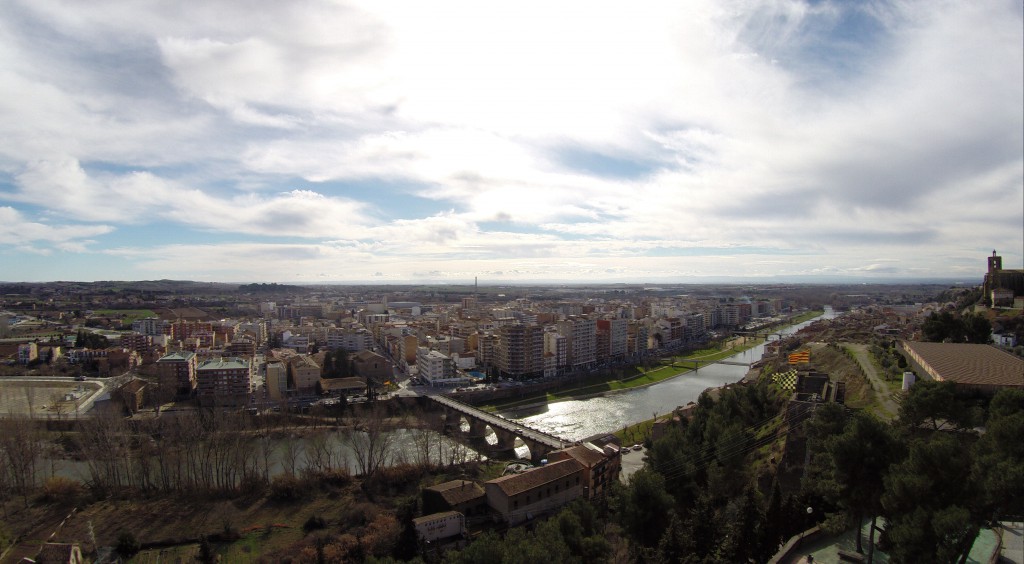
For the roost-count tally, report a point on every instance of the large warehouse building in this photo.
(981, 367)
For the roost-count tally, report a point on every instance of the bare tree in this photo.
(21, 449)
(370, 441)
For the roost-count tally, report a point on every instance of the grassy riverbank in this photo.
(639, 376)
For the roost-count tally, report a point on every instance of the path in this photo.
(863, 357)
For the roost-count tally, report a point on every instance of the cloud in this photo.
(64, 187)
(666, 138)
(17, 230)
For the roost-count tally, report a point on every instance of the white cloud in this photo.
(572, 132)
(17, 230)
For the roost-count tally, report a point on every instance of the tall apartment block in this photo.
(224, 382)
(581, 338)
(520, 351)
(177, 374)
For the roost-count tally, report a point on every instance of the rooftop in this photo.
(518, 483)
(964, 363)
(458, 491)
(226, 363)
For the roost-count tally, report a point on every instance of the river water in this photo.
(578, 419)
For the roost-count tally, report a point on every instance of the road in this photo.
(863, 356)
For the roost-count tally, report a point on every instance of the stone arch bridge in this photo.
(539, 442)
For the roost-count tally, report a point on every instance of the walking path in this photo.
(863, 356)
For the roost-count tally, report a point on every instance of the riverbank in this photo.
(671, 368)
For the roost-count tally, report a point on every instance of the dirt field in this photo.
(45, 398)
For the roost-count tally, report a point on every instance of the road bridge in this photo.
(539, 442)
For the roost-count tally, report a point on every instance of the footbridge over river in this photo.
(539, 442)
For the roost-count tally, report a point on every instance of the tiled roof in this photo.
(585, 455)
(458, 491)
(982, 365)
(518, 483)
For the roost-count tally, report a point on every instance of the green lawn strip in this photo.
(635, 433)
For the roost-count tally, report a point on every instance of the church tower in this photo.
(995, 263)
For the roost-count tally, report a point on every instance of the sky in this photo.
(393, 142)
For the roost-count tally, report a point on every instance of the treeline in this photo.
(934, 480)
(710, 492)
(90, 340)
(217, 453)
(699, 499)
(272, 288)
(947, 327)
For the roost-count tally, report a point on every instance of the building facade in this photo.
(224, 382)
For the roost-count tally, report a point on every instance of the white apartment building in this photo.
(352, 340)
(149, 326)
(436, 368)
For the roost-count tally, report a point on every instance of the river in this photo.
(578, 419)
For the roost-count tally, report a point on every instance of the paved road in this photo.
(863, 356)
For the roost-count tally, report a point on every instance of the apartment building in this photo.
(176, 373)
(152, 326)
(520, 352)
(224, 381)
(276, 381)
(613, 334)
(304, 374)
(351, 340)
(27, 352)
(486, 349)
(435, 367)
(581, 339)
(557, 346)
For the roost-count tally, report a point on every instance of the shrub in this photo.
(127, 545)
(313, 523)
(289, 488)
(59, 488)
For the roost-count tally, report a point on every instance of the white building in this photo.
(435, 367)
(440, 525)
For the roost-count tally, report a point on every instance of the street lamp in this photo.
(810, 511)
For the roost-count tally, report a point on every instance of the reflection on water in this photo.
(578, 419)
(406, 445)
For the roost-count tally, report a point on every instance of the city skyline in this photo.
(382, 142)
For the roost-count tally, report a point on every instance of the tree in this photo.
(857, 461)
(408, 540)
(931, 502)
(936, 403)
(646, 507)
(977, 328)
(999, 456)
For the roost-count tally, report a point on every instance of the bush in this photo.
(289, 488)
(59, 488)
(313, 523)
(127, 545)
